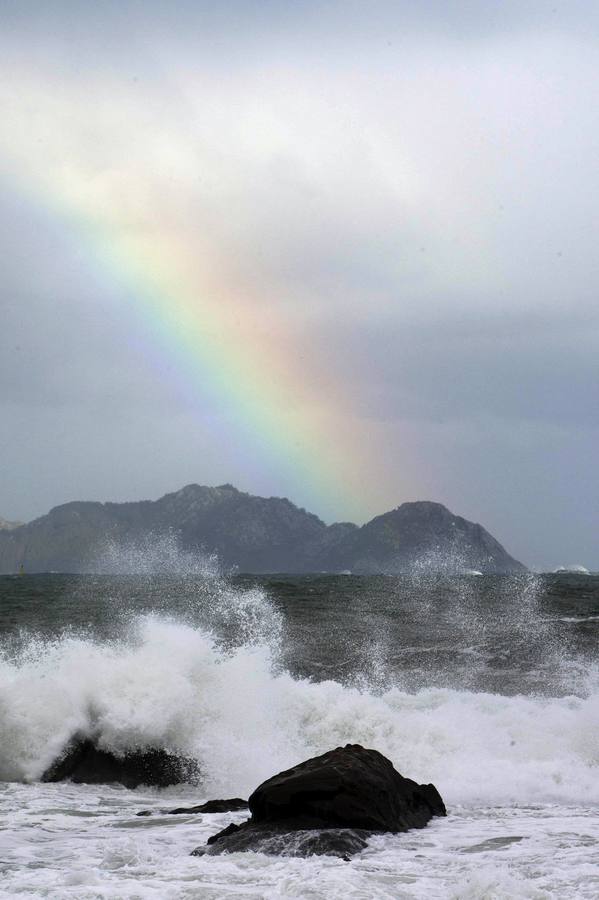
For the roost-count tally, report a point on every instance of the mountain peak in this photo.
(257, 534)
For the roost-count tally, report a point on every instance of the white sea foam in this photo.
(577, 620)
(173, 686)
(518, 773)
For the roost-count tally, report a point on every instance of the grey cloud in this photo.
(413, 184)
(515, 368)
(464, 18)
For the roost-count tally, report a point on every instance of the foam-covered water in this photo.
(488, 690)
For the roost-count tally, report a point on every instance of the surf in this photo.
(167, 684)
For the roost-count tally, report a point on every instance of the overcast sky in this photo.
(402, 196)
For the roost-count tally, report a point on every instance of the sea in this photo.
(486, 686)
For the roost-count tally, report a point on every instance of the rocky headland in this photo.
(255, 535)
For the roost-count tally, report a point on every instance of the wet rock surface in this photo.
(330, 804)
(211, 806)
(83, 762)
(280, 841)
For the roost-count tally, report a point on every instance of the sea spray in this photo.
(210, 683)
(149, 554)
(172, 686)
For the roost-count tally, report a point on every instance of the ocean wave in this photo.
(576, 620)
(172, 685)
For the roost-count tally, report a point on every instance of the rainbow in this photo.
(218, 343)
(212, 344)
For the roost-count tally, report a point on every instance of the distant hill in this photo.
(254, 534)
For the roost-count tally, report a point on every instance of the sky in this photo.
(343, 252)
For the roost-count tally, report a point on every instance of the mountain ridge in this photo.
(256, 535)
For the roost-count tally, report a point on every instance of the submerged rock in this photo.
(330, 804)
(211, 806)
(83, 762)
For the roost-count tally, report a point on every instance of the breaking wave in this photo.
(233, 707)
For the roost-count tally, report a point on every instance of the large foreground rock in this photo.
(330, 804)
(83, 762)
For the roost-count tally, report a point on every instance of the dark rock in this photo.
(211, 806)
(330, 804)
(231, 829)
(85, 763)
(280, 841)
(349, 787)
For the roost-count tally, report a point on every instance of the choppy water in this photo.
(487, 686)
